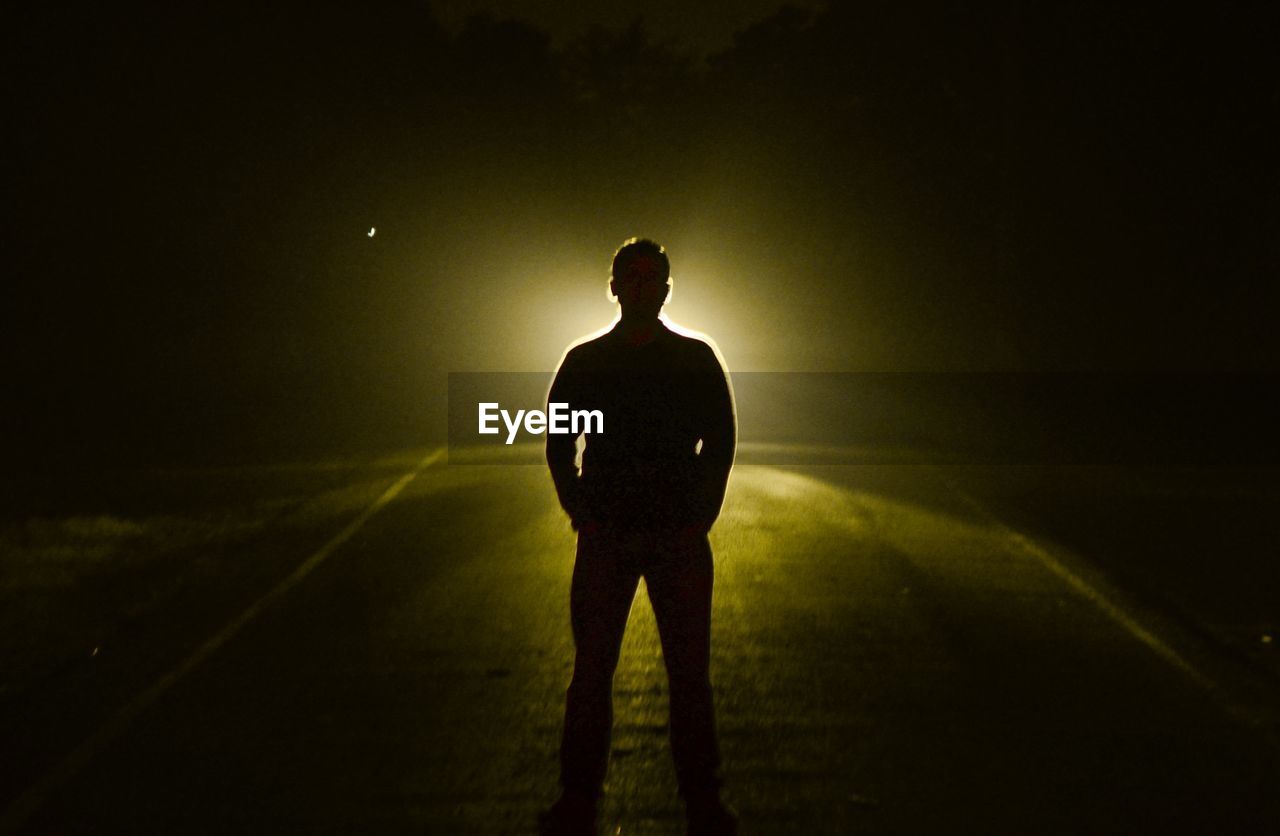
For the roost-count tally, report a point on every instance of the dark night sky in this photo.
(865, 186)
(702, 27)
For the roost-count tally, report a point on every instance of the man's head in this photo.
(640, 278)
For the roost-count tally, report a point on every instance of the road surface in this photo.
(888, 658)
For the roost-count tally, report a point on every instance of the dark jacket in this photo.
(664, 456)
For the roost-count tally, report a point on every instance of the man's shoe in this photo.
(572, 815)
(709, 816)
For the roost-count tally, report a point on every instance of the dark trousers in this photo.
(678, 574)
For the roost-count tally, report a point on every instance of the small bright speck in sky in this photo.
(372, 230)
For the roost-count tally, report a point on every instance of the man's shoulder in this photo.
(587, 348)
(674, 346)
(586, 354)
(690, 345)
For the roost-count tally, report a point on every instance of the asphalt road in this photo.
(887, 658)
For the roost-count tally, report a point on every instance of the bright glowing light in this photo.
(372, 230)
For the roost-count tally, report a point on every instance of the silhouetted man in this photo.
(650, 488)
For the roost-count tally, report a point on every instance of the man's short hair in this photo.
(634, 248)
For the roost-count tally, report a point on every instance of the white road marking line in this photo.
(30, 802)
(1024, 545)
(1132, 627)
(1245, 713)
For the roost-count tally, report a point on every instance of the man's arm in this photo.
(719, 442)
(562, 449)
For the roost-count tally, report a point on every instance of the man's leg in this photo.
(604, 586)
(679, 582)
